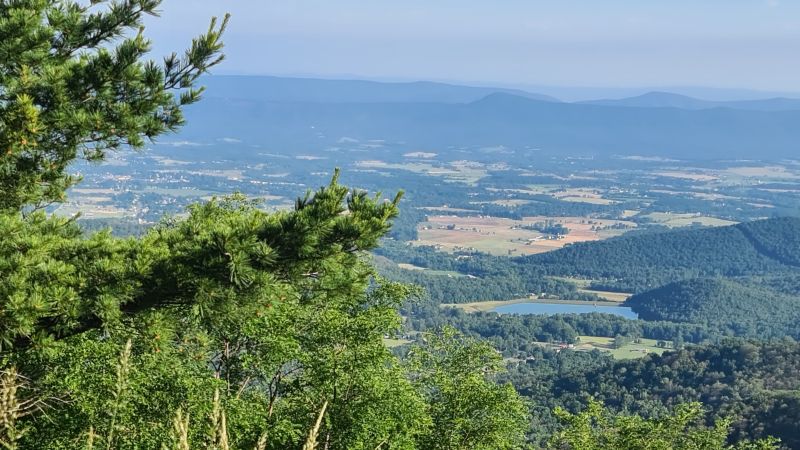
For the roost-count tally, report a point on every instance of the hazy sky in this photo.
(624, 43)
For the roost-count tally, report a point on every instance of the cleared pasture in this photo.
(686, 219)
(630, 351)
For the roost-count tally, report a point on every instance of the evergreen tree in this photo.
(74, 82)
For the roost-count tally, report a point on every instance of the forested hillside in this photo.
(466, 278)
(756, 384)
(777, 238)
(732, 308)
(640, 262)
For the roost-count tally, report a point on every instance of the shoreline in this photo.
(489, 305)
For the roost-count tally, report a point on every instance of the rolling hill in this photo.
(726, 305)
(642, 262)
(670, 100)
(311, 90)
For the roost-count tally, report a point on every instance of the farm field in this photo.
(699, 175)
(581, 195)
(460, 171)
(629, 351)
(582, 284)
(684, 220)
(446, 273)
(769, 172)
(504, 237)
(608, 295)
(91, 210)
(393, 343)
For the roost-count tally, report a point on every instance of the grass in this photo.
(458, 171)
(608, 295)
(489, 305)
(579, 282)
(393, 343)
(583, 286)
(590, 200)
(444, 273)
(688, 175)
(687, 219)
(768, 172)
(630, 351)
(581, 195)
(628, 213)
(91, 211)
(484, 305)
(173, 192)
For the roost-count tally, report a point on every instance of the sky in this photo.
(749, 44)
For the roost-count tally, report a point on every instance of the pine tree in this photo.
(75, 83)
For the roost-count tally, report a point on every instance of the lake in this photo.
(548, 308)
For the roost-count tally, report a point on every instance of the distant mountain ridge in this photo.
(497, 119)
(311, 90)
(670, 100)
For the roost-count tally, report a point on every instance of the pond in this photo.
(549, 308)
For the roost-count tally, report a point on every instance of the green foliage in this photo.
(755, 385)
(640, 262)
(74, 82)
(732, 307)
(280, 311)
(598, 429)
(487, 277)
(455, 374)
(775, 238)
(55, 281)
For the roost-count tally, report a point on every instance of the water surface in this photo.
(549, 308)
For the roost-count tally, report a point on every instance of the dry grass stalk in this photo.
(123, 370)
(311, 442)
(262, 442)
(181, 429)
(222, 444)
(90, 436)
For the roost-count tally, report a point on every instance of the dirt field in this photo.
(499, 236)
